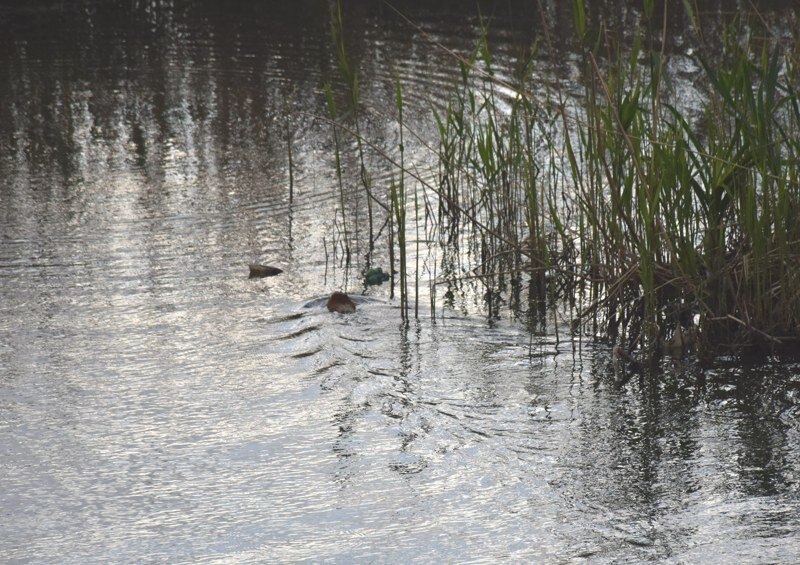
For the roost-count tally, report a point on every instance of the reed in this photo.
(398, 197)
(349, 75)
(345, 239)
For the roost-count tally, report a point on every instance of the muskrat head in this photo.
(340, 302)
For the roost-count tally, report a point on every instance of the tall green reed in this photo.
(331, 102)
(398, 198)
(349, 75)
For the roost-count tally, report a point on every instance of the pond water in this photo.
(156, 404)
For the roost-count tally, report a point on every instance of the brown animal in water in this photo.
(340, 302)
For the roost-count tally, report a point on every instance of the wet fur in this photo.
(341, 303)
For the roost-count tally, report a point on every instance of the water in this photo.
(158, 405)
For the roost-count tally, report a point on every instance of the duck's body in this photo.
(681, 341)
(341, 303)
(376, 276)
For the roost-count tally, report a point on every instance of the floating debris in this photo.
(260, 271)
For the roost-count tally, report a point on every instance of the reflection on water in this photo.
(157, 405)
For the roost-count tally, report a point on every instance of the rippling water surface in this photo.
(158, 405)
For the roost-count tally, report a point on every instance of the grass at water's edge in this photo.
(658, 227)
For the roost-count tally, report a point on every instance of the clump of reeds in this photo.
(692, 221)
(650, 223)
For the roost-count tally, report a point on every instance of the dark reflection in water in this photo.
(157, 405)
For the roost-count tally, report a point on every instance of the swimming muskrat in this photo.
(340, 302)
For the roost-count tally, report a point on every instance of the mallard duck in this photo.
(376, 276)
(341, 303)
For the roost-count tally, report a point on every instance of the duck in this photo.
(681, 341)
(341, 303)
(376, 276)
